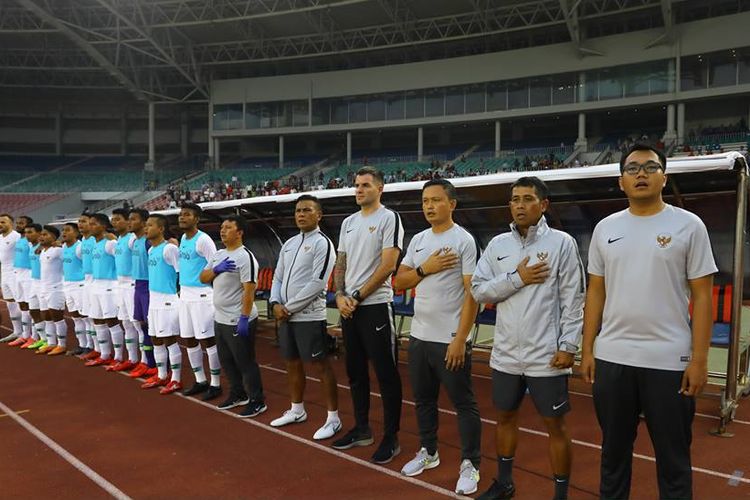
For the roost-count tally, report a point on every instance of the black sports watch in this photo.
(357, 296)
(420, 272)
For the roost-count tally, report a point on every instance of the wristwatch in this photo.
(272, 305)
(356, 296)
(568, 347)
(420, 272)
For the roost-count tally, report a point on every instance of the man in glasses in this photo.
(645, 263)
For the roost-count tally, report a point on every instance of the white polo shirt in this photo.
(646, 263)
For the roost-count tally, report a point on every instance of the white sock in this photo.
(25, 324)
(333, 416)
(117, 341)
(49, 332)
(39, 331)
(15, 318)
(298, 408)
(141, 347)
(195, 355)
(79, 327)
(103, 341)
(131, 341)
(91, 330)
(175, 360)
(62, 333)
(160, 355)
(214, 365)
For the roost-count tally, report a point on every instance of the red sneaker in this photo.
(28, 342)
(154, 381)
(122, 366)
(90, 356)
(100, 362)
(18, 342)
(150, 372)
(138, 371)
(172, 386)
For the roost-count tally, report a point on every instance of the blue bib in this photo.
(86, 249)
(139, 269)
(191, 264)
(161, 276)
(123, 256)
(21, 259)
(102, 263)
(72, 265)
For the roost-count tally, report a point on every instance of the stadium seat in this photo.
(721, 304)
(403, 307)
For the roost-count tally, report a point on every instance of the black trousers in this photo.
(427, 372)
(370, 335)
(621, 393)
(237, 356)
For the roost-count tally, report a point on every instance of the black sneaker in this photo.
(196, 389)
(498, 491)
(84, 352)
(388, 449)
(354, 437)
(233, 402)
(213, 392)
(75, 352)
(253, 409)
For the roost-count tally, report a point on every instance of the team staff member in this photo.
(370, 244)
(439, 263)
(8, 240)
(298, 297)
(233, 271)
(535, 276)
(645, 264)
(196, 310)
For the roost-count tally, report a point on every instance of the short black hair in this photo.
(542, 191)
(34, 226)
(73, 226)
(163, 221)
(101, 219)
(642, 146)
(28, 219)
(8, 216)
(53, 230)
(374, 172)
(239, 221)
(142, 213)
(196, 209)
(309, 197)
(124, 212)
(447, 186)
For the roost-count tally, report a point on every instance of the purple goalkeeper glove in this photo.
(224, 266)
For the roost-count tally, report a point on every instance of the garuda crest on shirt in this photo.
(663, 240)
(542, 256)
(372, 229)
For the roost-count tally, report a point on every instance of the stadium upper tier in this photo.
(244, 176)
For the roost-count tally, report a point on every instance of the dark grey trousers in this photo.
(237, 356)
(427, 372)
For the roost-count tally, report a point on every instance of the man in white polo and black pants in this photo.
(439, 263)
(370, 245)
(535, 276)
(640, 349)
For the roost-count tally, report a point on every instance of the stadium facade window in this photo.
(497, 96)
(228, 116)
(252, 115)
(414, 105)
(301, 113)
(339, 111)
(375, 108)
(743, 65)
(276, 114)
(518, 94)
(434, 102)
(564, 88)
(475, 98)
(722, 68)
(395, 106)
(454, 101)
(321, 112)
(540, 91)
(357, 110)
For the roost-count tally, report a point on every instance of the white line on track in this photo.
(66, 455)
(586, 444)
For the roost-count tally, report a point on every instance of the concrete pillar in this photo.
(582, 141)
(124, 133)
(184, 133)
(497, 138)
(581, 90)
(281, 151)
(58, 133)
(420, 143)
(681, 123)
(210, 134)
(670, 134)
(217, 152)
(151, 135)
(348, 149)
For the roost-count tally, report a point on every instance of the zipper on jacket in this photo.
(289, 276)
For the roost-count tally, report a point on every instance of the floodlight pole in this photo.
(729, 399)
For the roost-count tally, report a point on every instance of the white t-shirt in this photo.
(8, 251)
(646, 263)
(440, 296)
(51, 264)
(363, 240)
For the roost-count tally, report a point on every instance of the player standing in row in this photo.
(8, 240)
(51, 295)
(21, 283)
(38, 338)
(73, 284)
(196, 310)
(87, 247)
(298, 300)
(139, 246)
(163, 317)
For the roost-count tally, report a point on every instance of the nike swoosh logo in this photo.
(612, 240)
(316, 354)
(503, 258)
(349, 231)
(556, 407)
(378, 328)
(419, 249)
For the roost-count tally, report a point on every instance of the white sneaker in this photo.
(289, 417)
(468, 478)
(422, 461)
(328, 430)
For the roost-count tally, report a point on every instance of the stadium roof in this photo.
(169, 50)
